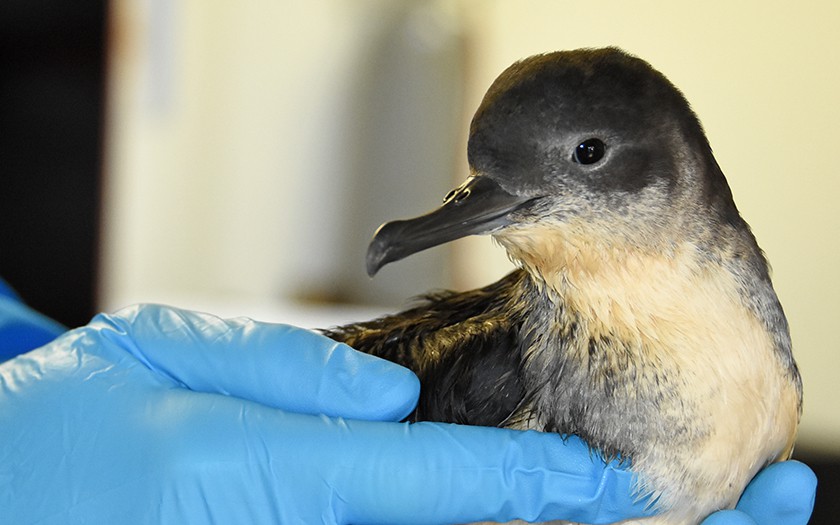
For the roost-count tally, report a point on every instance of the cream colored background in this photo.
(252, 147)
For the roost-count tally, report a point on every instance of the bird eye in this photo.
(589, 151)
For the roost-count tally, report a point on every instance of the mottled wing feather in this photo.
(464, 347)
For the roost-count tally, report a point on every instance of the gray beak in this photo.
(477, 206)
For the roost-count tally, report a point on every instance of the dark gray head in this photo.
(594, 138)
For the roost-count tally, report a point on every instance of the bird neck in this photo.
(644, 292)
(643, 295)
(605, 278)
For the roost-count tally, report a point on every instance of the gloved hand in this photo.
(180, 409)
(157, 415)
(22, 328)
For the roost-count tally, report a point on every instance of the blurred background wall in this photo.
(248, 151)
(253, 148)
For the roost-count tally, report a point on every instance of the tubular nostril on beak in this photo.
(457, 195)
(461, 195)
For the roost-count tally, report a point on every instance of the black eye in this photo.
(589, 151)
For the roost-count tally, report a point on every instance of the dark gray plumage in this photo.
(642, 317)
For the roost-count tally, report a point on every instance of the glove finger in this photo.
(309, 469)
(439, 473)
(277, 365)
(729, 517)
(781, 493)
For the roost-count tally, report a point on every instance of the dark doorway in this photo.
(52, 63)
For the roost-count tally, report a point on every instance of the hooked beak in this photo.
(477, 206)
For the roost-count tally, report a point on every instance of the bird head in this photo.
(586, 146)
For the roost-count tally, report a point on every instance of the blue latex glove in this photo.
(158, 415)
(21, 328)
(7, 291)
(782, 494)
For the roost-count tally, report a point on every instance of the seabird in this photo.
(641, 317)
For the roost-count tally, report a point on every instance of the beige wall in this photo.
(253, 147)
(228, 148)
